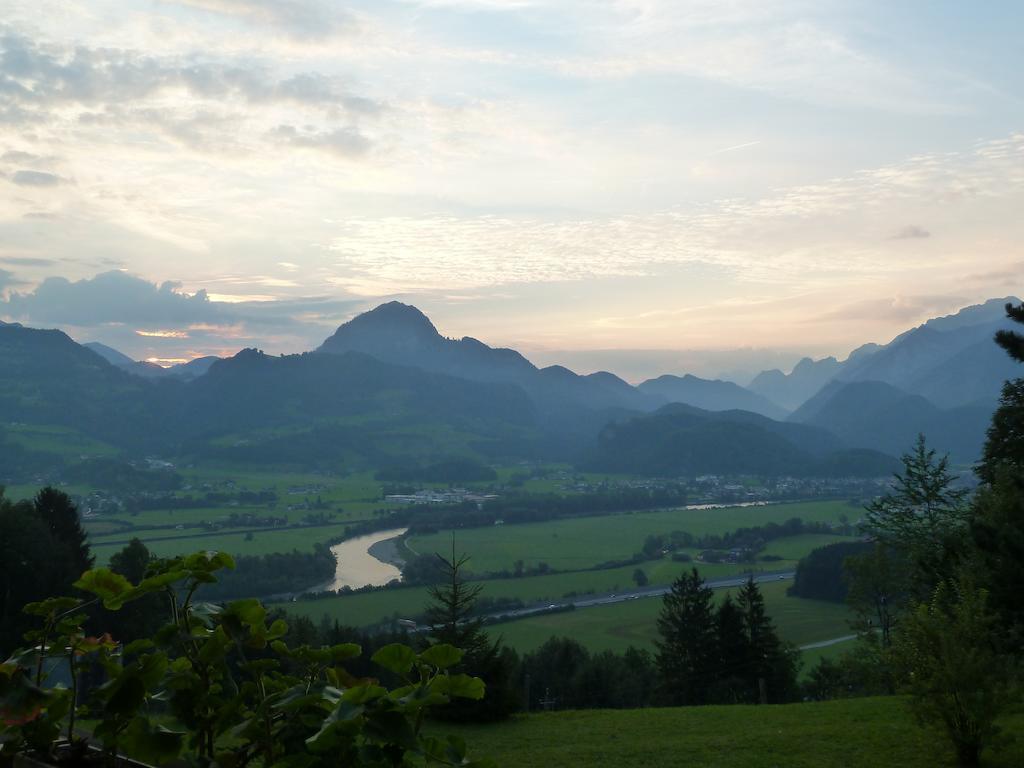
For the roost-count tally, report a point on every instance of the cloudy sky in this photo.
(646, 185)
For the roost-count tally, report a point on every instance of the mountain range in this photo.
(387, 389)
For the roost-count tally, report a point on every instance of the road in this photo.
(635, 594)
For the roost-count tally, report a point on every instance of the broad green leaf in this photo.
(395, 658)
(441, 656)
(110, 587)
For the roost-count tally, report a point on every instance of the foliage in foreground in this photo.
(239, 693)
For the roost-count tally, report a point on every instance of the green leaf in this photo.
(110, 587)
(344, 651)
(152, 745)
(463, 686)
(441, 656)
(395, 658)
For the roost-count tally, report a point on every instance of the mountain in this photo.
(189, 370)
(400, 334)
(876, 415)
(48, 379)
(793, 389)
(709, 395)
(682, 440)
(949, 360)
(348, 410)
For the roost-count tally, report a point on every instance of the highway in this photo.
(633, 594)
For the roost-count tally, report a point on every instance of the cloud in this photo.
(911, 232)
(8, 280)
(110, 297)
(26, 178)
(28, 261)
(204, 104)
(894, 309)
(795, 237)
(166, 312)
(303, 19)
(345, 142)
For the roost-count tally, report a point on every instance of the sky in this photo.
(647, 186)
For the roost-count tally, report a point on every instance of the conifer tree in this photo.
(770, 660)
(450, 616)
(687, 654)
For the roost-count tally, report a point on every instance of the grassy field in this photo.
(854, 733)
(584, 542)
(374, 607)
(617, 626)
(262, 542)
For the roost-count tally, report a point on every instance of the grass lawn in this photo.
(854, 733)
(584, 542)
(617, 626)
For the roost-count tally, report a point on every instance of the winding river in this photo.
(356, 567)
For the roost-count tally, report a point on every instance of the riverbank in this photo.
(359, 564)
(389, 551)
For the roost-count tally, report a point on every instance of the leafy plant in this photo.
(234, 691)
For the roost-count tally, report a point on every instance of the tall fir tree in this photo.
(731, 685)
(687, 653)
(772, 666)
(450, 616)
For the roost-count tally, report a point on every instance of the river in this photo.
(356, 567)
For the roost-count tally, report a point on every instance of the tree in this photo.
(924, 517)
(686, 652)
(25, 560)
(733, 662)
(451, 620)
(998, 538)
(60, 515)
(640, 578)
(1012, 341)
(878, 592)
(140, 618)
(958, 681)
(769, 660)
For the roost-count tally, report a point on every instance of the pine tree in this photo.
(924, 517)
(687, 654)
(731, 686)
(451, 620)
(1012, 341)
(60, 515)
(769, 660)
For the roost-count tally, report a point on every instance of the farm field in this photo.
(262, 542)
(616, 626)
(370, 608)
(587, 541)
(850, 733)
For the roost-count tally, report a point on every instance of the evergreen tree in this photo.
(451, 620)
(924, 517)
(768, 658)
(1012, 341)
(731, 685)
(70, 557)
(687, 655)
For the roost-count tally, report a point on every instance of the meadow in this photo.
(617, 626)
(369, 608)
(848, 733)
(578, 543)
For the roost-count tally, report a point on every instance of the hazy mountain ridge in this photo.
(682, 440)
(390, 388)
(950, 360)
(710, 395)
(873, 414)
(146, 369)
(401, 334)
